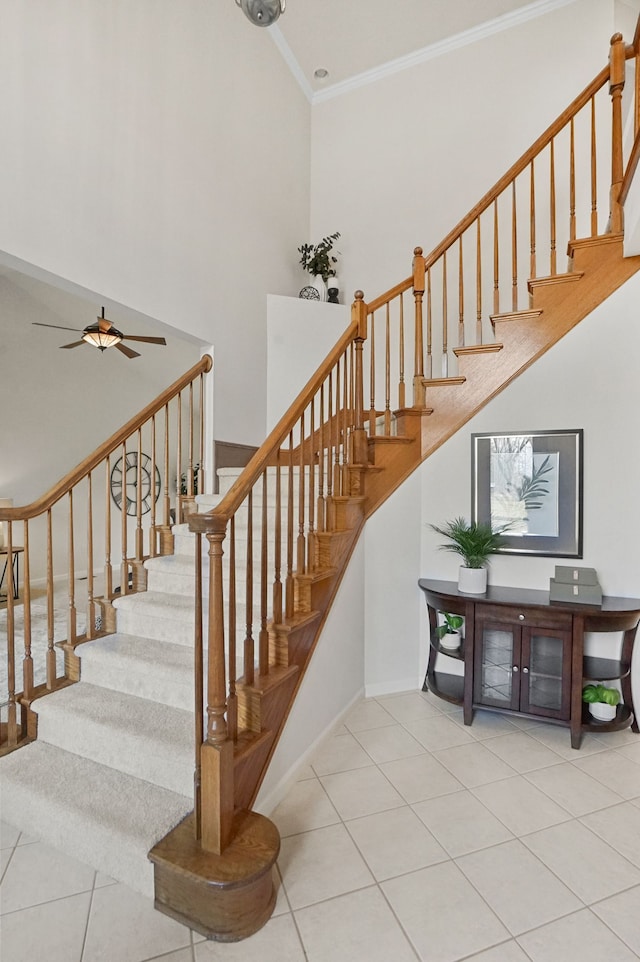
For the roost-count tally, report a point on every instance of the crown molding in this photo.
(538, 8)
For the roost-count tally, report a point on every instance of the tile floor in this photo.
(410, 837)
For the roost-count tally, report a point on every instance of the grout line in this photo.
(86, 927)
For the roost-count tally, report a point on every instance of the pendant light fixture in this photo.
(102, 334)
(263, 13)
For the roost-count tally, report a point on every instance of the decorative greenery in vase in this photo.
(600, 693)
(474, 541)
(317, 259)
(450, 625)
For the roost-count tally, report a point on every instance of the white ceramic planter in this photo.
(602, 712)
(451, 640)
(473, 581)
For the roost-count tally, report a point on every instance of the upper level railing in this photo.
(269, 537)
(85, 541)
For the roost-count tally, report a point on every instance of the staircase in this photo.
(270, 552)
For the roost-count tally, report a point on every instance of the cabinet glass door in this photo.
(544, 673)
(495, 668)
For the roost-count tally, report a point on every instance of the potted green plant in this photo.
(319, 261)
(602, 701)
(474, 541)
(448, 632)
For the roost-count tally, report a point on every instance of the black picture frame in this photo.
(533, 481)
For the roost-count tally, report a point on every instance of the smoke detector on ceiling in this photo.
(262, 12)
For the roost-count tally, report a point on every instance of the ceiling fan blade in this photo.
(126, 350)
(63, 347)
(147, 340)
(57, 326)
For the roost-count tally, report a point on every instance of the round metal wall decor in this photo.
(124, 483)
(310, 293)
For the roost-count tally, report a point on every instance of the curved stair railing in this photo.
(279, 541)
(78, 531)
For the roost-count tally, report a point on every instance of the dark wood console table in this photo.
(523, 654)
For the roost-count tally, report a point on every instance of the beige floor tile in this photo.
(573, 789)
(573, 939)
(388, 744)
(619, 826)
(125, 927)
(38, 873)
(358, 927)
(410, 706)
(53, 931)
(518, 887)
(614, 771)
(622, 914)
(282, 904)
(420, 777)
(631, 751)
(182, 955)
(341, 753)
(485, 724)
(520, 805)
(8, 835)
(506, 952)
(278, 941)
(442, 914)
(461, 823)
(306, 806)
(361, 792)
(320, 865)
(367, 715)
(306, 772)
(438, 732)
(558, 738)
(5, 858)
(522, 752)
(394, 843)
(473, 764)
(582, 861)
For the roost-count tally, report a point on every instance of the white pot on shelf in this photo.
(451, 640)
(602, 712)
(472, 581)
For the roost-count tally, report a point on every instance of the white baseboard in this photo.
(265, 805)
(393, 687)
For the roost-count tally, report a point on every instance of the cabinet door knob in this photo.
(515, 667)
(525, 671)
(521, 617)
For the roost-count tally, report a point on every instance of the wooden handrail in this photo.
(66, 483)
(632, 166)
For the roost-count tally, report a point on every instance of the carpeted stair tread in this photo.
(103, 817)
(131, 734)
(156, 670)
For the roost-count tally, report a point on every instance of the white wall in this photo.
(583, 382)
(399, 162)
(158, 153)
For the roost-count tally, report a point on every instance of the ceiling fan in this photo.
(102, 335)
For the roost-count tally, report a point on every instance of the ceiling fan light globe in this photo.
(263, 13)
(101, 339)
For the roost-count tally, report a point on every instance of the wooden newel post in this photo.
(217, 788)
(617, 59)
(359, 437)
(419, 392)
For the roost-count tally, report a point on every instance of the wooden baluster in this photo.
(91, 604)
(202, 479)
(179, 512)
(190, 474)
(124, 563)
(311, 538)
(532, 223)
(277, 582)
(359, 317)
(552, 209)
(198, 703)
(429, 368)
(153, 493)
(217, 751)
(249, 652)
(108, 567)
(344, 477)
(12, 707)
(387, 375)
(594, 172)
(445, 319)
(636, 43)
(478, 284)
(330, 449)
(27, 665)
(352, 407)
(139, 537)
(372, 379)
(72, 614)
(514, 248)
(321, 504)
(617, 59)
(337, 475)
(572, 183)
(289, 598)
(166, 514)
(301, 547)
(496, 260)
(232, 704)
(51, 655)
(263, 637)
(401, 384)
(418, 269)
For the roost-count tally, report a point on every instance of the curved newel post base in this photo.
(225, 897)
